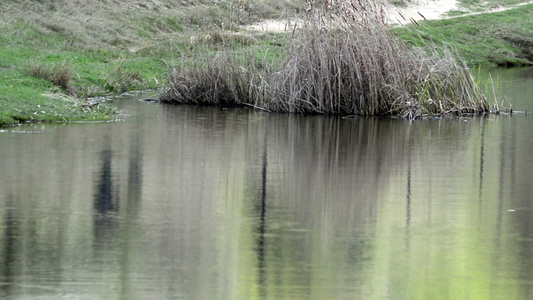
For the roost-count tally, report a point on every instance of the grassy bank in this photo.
(56, 54)
(501, 38)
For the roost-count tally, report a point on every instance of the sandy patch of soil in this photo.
(416, 10)
(420, 10)
(492, 10)
(272, 25)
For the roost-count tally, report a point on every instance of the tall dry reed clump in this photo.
(224, 80)
(342, 60)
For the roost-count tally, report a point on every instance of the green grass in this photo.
(55, 54)
(108, 47)
(502, 38)
(31, 75)
(484, 4)
(29, 62)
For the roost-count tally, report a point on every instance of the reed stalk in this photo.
(342, 60)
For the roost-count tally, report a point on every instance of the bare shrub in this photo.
(342, 60)
(346, 61)
(40, 70)
(59, 74)
(121, 79)
(62, 75)
(219, 81)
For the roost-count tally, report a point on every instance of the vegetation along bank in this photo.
(56, 55)
(502, 38)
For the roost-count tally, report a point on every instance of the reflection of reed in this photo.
(339, 164)
(326, 180)
(103, 198)
(10, 241)
(135, 167)
(481, 161)
(408, 205)
(333, 163)
(332, 173)
(261, 211)
(105, 202)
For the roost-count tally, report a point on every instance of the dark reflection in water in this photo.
(105, 200)
(203, 203)
(261, 212)
(481, 163)
(134, 173)
(9, 250)
(408, 206)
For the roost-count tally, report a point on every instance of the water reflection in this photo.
(204, 203)
(105, 201)
(261, 224)
(9, 249)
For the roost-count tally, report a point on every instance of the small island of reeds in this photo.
(341, 59)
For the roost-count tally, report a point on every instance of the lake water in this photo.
(184, 202)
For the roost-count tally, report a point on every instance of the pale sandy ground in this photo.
(417, 10)
(420, 9)
(434, 10)
(430, 9)
(272, 25)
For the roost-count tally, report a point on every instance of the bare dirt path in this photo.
(436, 9)
(416, 10)
(419, 10)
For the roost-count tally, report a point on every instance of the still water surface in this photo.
(183, 202)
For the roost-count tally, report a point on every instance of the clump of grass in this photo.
(121, 79)
(222, 37)
(347, 62)
(343, 60)
(59, 74)
(220, 81)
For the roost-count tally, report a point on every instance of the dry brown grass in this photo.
(343, 60)
(124, 23)
(59, 74)
(220, 81)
